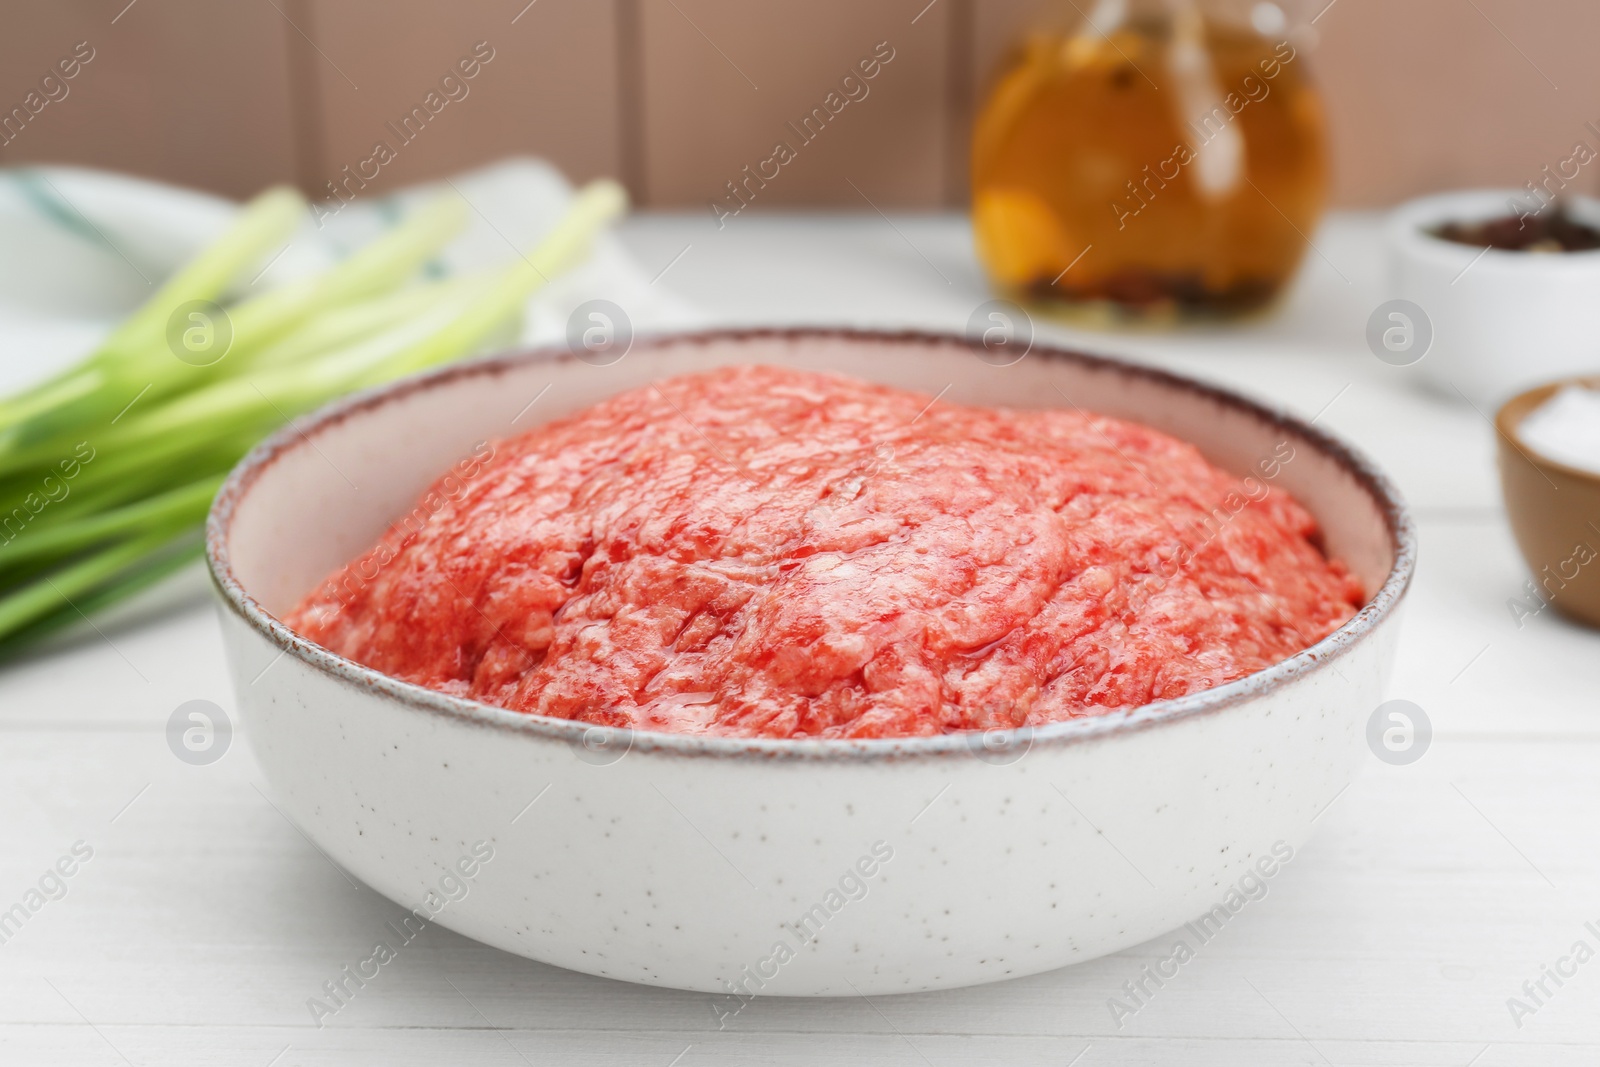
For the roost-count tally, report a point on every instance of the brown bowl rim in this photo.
(1379, 606)
(1509, 418)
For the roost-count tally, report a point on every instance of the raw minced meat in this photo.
(767, 552)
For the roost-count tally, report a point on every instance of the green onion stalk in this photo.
(107, 469)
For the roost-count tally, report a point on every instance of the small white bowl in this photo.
(1502, 321)
(686, 861)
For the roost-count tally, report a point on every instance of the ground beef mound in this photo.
(765, 552)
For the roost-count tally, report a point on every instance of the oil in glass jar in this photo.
(1159, 159)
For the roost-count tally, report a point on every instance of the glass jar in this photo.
(1157, 158)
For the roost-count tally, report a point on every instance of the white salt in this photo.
(1566, 428)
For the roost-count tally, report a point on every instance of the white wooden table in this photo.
(204, 921)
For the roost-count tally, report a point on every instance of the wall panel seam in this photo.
(630, 100)
(304, 84)
(958, 104)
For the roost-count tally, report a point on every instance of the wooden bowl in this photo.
(1555, 514)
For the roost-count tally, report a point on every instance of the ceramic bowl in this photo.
(1500, 321)
(788, 867)
(1554, 511)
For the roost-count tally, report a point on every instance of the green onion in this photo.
(134, 349)
(181, 507)
(79, 534)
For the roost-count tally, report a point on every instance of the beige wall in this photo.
(676, 96)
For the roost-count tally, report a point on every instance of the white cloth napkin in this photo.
(80, 249)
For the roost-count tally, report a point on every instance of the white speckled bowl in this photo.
(786, 867)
